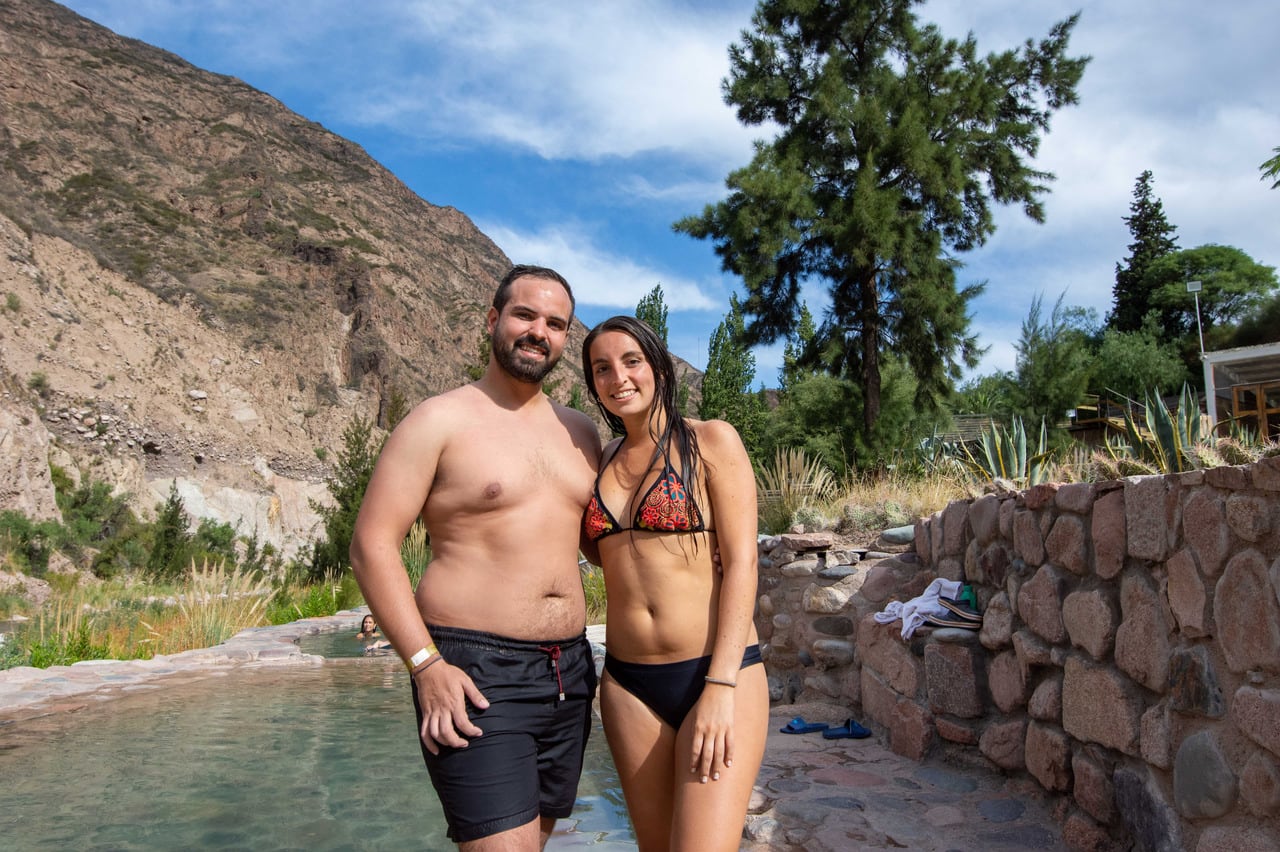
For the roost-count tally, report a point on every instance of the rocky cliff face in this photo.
(197, 284)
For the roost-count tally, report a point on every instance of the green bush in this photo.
(28, 544)
(332, 595)
(63, 649)
(593, 588)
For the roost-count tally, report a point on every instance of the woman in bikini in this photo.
(684, 697)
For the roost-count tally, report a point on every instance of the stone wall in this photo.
(1128, 659)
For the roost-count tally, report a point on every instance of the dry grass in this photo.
(217, 605)
(797, 490)
(213, 605)
(869, 505)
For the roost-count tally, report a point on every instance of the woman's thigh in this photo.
(642, 747)
(710, 816)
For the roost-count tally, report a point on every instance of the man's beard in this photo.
(519, 369)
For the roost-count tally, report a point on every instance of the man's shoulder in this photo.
(573, 418)
(440, 415)
(458, 399)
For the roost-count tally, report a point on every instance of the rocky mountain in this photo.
(197, 284)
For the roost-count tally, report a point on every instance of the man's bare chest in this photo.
(486, 469)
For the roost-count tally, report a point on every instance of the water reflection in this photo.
(309, 757)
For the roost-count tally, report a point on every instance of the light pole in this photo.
(1194, 287)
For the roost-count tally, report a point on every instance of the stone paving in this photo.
(816, 795)
(812, 794)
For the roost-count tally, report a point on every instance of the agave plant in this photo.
(1171, 440)
(1002, 454)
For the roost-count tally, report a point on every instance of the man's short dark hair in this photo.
(522, 270)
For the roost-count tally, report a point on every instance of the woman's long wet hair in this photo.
(674, 431)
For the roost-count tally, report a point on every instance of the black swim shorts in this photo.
(528, 760)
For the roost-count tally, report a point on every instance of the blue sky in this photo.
(575, 134)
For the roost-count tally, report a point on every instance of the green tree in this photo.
(1233, 286)
(994, 395)
(726, 385)
(652, 311)
(171, 539)
(1271, 169)
(1053, 361)
(894, 144)
(1262, 325)
(1131, 364)
(820, 416)
(347, 484)
(794, 359)
(1153, 238)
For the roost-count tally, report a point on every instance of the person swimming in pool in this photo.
(684, 697)
(368, 628)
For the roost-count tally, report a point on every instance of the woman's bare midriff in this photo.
(661, 609)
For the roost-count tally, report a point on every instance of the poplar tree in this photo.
(1153, 238)
(726, 385)
(652, 311)
(893, 145)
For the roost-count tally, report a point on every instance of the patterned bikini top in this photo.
(667, 507)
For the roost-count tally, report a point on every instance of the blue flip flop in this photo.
(850, 730)
(799, 726)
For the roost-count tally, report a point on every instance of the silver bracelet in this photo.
(718, 682)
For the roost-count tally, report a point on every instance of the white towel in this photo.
(915, 611)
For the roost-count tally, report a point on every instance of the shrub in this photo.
(39, 383)
(593, 588)
(216, 605)
(415, 552)
(791, 482)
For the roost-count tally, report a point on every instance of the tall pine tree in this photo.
(1153, 238)
(893, 145)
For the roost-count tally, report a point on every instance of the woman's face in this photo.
(368, 624)
(620, 374)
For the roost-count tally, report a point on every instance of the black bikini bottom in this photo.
(669, 689)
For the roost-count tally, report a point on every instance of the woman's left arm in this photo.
(731, 487)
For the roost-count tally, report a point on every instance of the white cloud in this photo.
(1179, 87)
(598, 276)
(564, 80)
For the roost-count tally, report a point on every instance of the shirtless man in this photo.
(495, 640)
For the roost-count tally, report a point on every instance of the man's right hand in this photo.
(443, 692)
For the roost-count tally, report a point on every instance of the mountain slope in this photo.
(200, 284)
